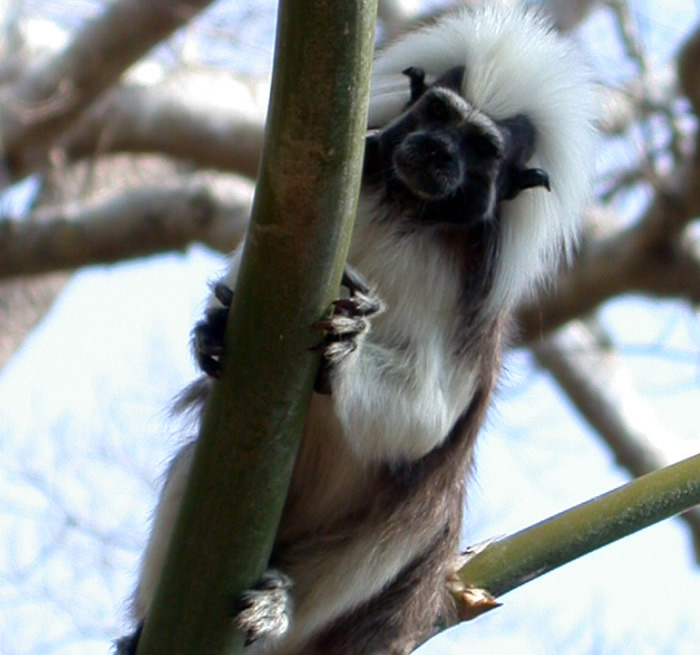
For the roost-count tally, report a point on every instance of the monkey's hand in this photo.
(208, 334)
(264, 611)
(346, 326)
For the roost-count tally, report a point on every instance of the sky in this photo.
(85, 435)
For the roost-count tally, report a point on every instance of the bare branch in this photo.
(23, 304)
(396, 16)
(585, 365)
(656, 256)
(688, 71)
(24, 300)
(567, 14)
(638, 99)
(652, 257)
(629, 34)
(139, 222)
(43, 102)
(508, 563)
(209, 118)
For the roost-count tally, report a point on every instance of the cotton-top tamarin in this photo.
(475, 176)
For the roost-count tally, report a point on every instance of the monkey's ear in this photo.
(416, 75)
(518, 179)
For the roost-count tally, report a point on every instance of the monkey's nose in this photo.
(429, 165)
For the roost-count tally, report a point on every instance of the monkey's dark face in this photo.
(443, 153)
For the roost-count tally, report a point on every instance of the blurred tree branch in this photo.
(212, 119)
(47, 98)
(211, 209)
(656, 255)
(41, 99)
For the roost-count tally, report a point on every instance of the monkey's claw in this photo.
(265, 609)
(348, 322)
(208, 334)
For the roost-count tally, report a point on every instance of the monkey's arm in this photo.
(396, 397)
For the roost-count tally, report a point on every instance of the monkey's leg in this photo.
(264, 610)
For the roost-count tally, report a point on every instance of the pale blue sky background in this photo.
(84, 436)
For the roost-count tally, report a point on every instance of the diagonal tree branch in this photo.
(140, 221)
(23, 303)
(210, 118)
(654, 257)
(515, 560)
(42, 103)
(586, 367)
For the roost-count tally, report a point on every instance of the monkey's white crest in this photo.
(515, 63)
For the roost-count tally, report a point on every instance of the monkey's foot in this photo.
(346, 325)
(208, 334)
(265, 610)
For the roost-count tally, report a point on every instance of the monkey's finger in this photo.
(353, 281)
(342, 325)
(359, 305)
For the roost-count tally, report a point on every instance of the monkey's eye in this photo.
(437, 110)
(483, 146)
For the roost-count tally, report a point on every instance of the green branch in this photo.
(511, 562)
(295, 250)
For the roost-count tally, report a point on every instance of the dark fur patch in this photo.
(426, 495)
